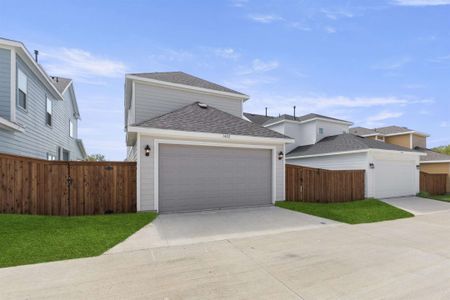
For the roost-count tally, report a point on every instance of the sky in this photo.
(375, 63)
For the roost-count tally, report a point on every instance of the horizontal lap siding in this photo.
(38, 139)
(323, 186)
(153, 101)
(5, 83)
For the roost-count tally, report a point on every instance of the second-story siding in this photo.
(38, 139)
(5, 83)
(153, 101)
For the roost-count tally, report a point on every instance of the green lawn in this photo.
(26, 239)
(445, 198)
(362, 211)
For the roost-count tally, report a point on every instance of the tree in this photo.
(95, 157)
(443, 149)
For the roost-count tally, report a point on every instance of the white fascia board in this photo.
(168, 133)
(5, 124)
(186, 87)
(22, 51)
(357, 151)
(309, 120)
(435, 161)
(371, 134)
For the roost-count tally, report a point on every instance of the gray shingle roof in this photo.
(258, 119)
(186, 79)
(392, 129)
(344, 142)
(208, 120)
(60, 83)
(432, 155)
(361, 131)
(301, 118)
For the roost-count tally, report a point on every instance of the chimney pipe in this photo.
(36, 54)
(294, 112)
(266, 111)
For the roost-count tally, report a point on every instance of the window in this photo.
(22, 85)
(49, 112)
(320, 130)
(51, 156)
(70, 128)
(66, 155)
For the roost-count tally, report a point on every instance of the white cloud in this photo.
(330, 29)
(337, 14)
(228, 53)
(265, 18)
(172, 55)
(444, 124)
(421, 2)
(259, 66)
(80, 64)
(239, 3)
(384, 115)
(392, 65)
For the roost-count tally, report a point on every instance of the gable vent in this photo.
(203, 105)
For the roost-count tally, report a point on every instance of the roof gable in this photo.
(258, 119)
(304, 118)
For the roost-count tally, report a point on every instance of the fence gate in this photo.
(35, 186)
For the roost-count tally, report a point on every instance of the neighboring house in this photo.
(324, 142)
(433, 162)
(193, 147)
(38, 114)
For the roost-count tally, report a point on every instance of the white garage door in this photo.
(394, 178)
(198, 177)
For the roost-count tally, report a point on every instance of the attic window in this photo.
(320, 130)
(203, 105)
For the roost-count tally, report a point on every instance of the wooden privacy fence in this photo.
(435, 184)
(41, 187)
(319, 185)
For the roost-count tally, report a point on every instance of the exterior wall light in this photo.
(280, 155)
(147, 150)
(372, 165)
(418, 167)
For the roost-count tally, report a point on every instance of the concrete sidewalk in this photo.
(418, 205)
(207, 226)
(403, 259)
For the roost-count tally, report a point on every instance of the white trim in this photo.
(410, 141)
(65, 89)
(368, 135)
(284, 173)
(13, 83)
(357, 151)
(210, 136)
(25, 54)
(138, 172)
(408, 132)
(185, 87)
(435, 162)
(157, 142)
(133, 102)
(6, 124)
(309, 120)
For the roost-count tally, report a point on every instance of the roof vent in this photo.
(203, 105)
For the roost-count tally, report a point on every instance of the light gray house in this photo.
(38, 114)
(193, 147)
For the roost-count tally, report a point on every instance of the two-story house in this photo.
(325, 142)
(433, 162)
(194, 150)
(38, 113)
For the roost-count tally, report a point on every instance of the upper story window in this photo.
(22, 84)
(49, 112)
(320, 130)
(70, 128)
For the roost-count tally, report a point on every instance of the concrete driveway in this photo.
(418, 205)
(206, 226)
(403, 259)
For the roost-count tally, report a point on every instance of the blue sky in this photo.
(374, 63)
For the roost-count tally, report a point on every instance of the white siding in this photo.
(279, 194)
(329, 129)
(153, 101)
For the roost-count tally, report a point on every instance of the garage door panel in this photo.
(196, 178)
(393, 178)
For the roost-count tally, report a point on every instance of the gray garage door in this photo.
(196, 177)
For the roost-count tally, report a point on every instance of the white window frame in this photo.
(22, 85)
(321, 130)
(49, 110)
(71, 131)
